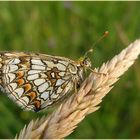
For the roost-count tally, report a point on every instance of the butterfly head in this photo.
(85, 62)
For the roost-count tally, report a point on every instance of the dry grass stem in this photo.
(65, 118)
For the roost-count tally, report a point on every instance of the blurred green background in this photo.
(69, 29)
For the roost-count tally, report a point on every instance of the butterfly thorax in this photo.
(82, 65)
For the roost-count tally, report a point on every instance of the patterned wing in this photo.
(34, 81)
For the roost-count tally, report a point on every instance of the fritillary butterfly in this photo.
(36, 81)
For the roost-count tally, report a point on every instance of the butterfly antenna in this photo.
(103, 36)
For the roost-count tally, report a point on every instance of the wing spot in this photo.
(19, 91)
(11, 76)
(20, 82)
(43, 87)
(14, 61)
(45, 95)
(34, 71)
(38, 67)
(33, 77)
(13, 68)
(27, 87)
(13, 85)
(37, 104)
(37, 62)
(32, 95)
(19, 74)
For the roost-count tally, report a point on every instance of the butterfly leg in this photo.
(75, 86)
(99, 73)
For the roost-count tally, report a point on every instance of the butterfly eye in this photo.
(87, 63)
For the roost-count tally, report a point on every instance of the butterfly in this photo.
(36, 81)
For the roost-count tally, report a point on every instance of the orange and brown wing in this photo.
(33, 82)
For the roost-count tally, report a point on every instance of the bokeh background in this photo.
(69, 29)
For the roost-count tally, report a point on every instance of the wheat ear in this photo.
(65, 118)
